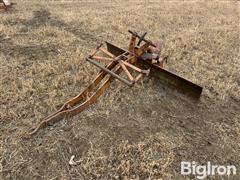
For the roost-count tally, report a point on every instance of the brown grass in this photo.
(138, 132)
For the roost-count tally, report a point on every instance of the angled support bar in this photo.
(129, 83)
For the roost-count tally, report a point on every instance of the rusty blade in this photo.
(182, 85)
(116, 51)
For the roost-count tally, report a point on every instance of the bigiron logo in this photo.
(202, 171)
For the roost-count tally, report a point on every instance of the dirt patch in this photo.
(32, 52)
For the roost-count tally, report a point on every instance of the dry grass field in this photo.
(130, 133)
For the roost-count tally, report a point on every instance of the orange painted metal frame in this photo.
(82, 101)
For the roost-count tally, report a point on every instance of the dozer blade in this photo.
(182, 85)
(116, 51)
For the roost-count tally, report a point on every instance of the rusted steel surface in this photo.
(182, 85)
(116, 51)
(141, 38)
(61, 113)
(120, 61)
(73, 107)
(130, 83)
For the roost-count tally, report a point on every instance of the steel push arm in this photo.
(82, 101)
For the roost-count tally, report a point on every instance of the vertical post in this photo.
(132, 43)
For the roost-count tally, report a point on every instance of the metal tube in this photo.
(129, 83)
